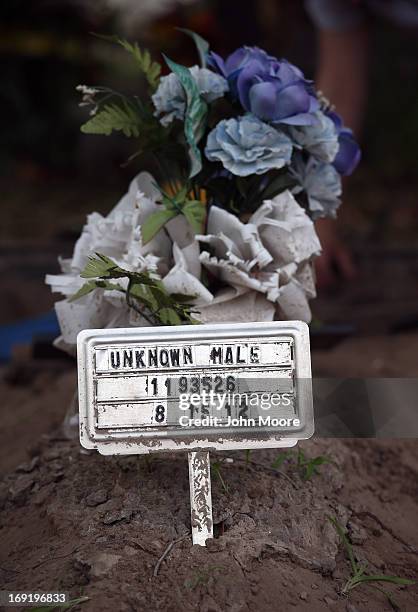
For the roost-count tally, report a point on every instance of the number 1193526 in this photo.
(175, 385)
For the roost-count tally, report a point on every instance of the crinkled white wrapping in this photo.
(237, 306)
(118, 236)
(181, 280)
(265, 265)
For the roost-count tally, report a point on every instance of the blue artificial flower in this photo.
(320, 139)
(349, 153)
(170, 98)
(321, 183)
(273, 90)
(247, 146)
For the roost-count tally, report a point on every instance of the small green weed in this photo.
(358, 572)
(216, 467)
(306, 467)
(201, 577)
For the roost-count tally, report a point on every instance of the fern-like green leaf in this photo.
(144, 293)
(101, 266)
(149, 68)
(114, 118)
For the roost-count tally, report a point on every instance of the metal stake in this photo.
(200, 497)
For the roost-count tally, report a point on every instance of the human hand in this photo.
(335, 262)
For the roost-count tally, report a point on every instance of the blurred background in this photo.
(52, 176)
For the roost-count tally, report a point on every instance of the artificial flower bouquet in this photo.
(245, 155)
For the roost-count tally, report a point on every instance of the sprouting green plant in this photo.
(201, 577)
(281, 458)
(306, 467)
(64, 606)
(216, 467)
(358, 571)
(144, 293)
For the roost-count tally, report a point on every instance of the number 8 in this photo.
(160, 413)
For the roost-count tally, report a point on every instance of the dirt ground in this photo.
(97, 526)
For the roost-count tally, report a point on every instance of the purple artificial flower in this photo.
(273, 90)
(349, 153)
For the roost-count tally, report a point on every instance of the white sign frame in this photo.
(118, 442)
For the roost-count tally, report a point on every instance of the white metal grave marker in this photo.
(195, 389)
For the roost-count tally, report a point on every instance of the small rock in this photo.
(253, 493)
(51, 454)
(216, 545)
(102, 563)
(385, 496)
(329, 601)
(21, 489)
(125, 514)
(357, 534)
(43, 495)
(351, 607)
(117, 491)
(314, 587)
(304, 596)
(28, 466)
(96, 498)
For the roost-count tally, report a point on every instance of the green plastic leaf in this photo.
(92, 285)
(161, 296)
(202, 45)
(195, 115)
(169, 316)
(155, 222)
(180, 196)
(277, 185)
(195, 213)
(114, 118)
(149, 68)
(182, 298)
(84, 290)
(101, 266)
(145, 294)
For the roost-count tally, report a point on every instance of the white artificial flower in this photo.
(271, 254)
(118, 235)
(264, 265)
